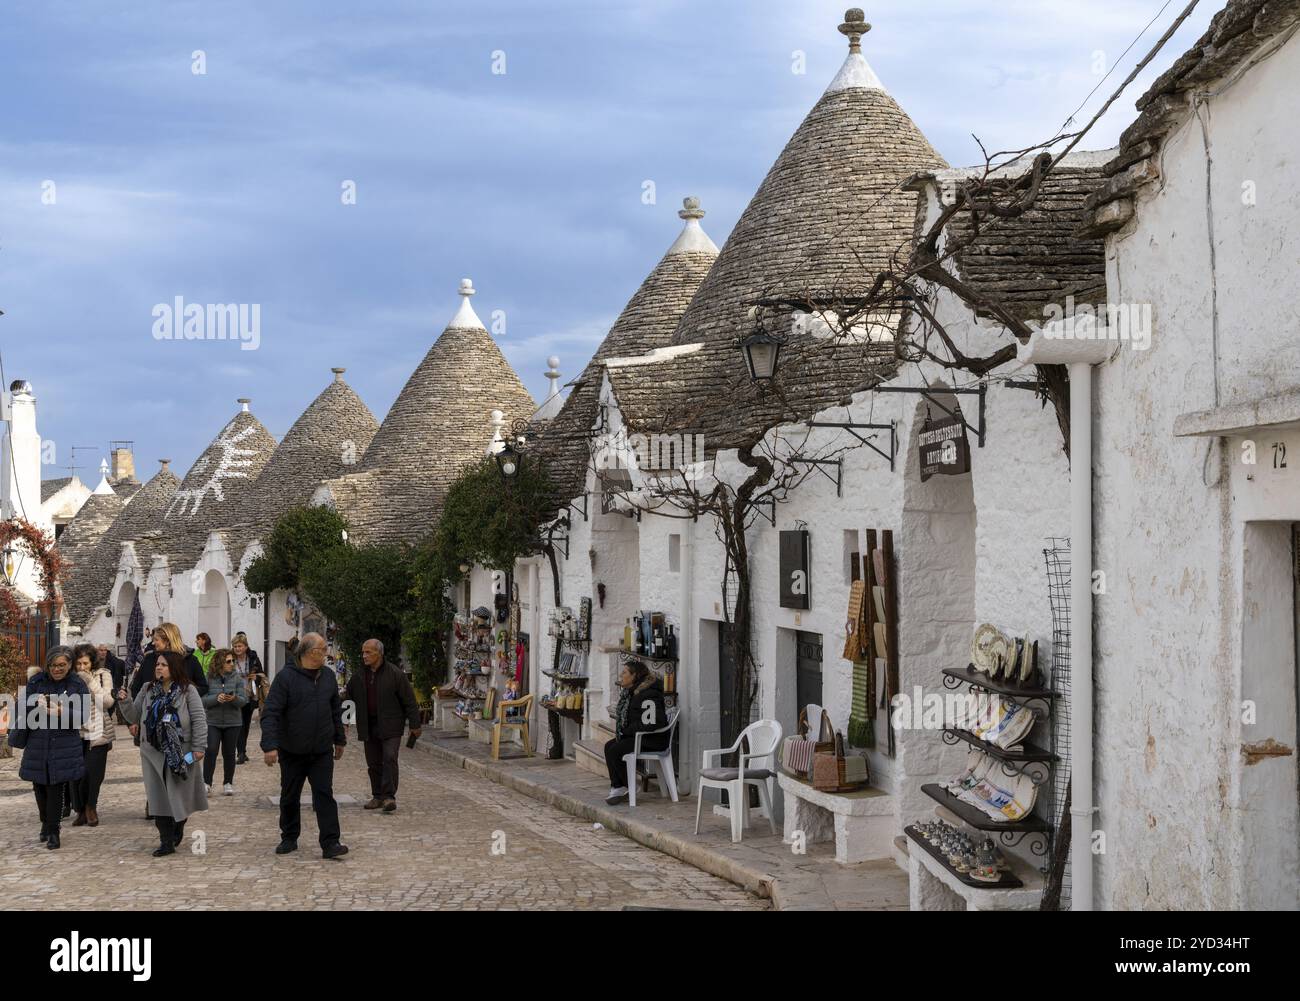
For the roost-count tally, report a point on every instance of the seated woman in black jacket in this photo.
(640, 709)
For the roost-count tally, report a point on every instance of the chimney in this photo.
(123, 462)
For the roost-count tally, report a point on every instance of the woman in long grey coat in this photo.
(173, 738)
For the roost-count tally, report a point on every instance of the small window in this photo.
(674, 553)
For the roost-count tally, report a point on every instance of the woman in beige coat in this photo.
(96, 734)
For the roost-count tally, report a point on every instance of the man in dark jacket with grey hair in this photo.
(385, 704)
(302, 729)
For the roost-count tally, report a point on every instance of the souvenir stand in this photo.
(1000, 703)
(472, 658)
(565, 703)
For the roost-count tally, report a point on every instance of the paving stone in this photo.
(435, 852)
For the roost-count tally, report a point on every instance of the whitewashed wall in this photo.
(1171, 513)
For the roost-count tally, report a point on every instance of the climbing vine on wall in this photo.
(18, 534)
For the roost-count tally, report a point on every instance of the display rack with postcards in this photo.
(1003, 696)
(571, 634)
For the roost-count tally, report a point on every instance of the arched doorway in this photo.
(936, 558)
(122, 615)
(214, 608)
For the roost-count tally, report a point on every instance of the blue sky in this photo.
(225, 187)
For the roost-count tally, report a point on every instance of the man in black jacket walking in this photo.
(385, 704)
(302, 729)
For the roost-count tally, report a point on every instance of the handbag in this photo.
(837, 772)
(797, 753)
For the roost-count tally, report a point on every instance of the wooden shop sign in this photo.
(944, 448)
(795, 578)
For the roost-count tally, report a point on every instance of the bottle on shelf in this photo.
(627, 634)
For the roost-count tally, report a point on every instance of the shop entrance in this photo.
(1270, 675)
(214, 608)
(935, 564)
(808, 670)
(727, 723)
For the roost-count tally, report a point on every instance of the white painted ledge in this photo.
(1272, 412)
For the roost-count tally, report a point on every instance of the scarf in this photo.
(162, 726)
(624, 700)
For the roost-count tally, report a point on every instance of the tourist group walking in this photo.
(188, 709)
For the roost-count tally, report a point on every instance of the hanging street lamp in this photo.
(508, 459)
(762, 351)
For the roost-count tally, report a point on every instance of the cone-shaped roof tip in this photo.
(692, 238)
(854, 26)
(243, 402)
(856, 73)
(465, 315)
(338, 374)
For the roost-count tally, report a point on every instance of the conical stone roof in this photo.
(214, 489)
(831, 213)
(438, 425)
(89, 584)
(85, 530)
(647, 322)
(328, 440)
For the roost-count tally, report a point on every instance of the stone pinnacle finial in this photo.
(690, 209)
(164, 463)
(854, 26)
(466, 287)
(338, 374)
(243, 402)
(553, 374)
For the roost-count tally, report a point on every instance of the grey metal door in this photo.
(729, 726)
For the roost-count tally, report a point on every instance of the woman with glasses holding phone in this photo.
(224, 703)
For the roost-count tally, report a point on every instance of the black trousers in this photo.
(615, 749)
(241, 745)
(317, 770)
(381, 763)
(49, 803)
(225, 738)
(169, 831)
(85, 791)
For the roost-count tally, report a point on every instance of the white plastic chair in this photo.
(764, 739)
(663, 760)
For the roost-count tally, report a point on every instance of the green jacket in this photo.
(205, 659)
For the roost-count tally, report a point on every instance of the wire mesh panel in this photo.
(1057, 558)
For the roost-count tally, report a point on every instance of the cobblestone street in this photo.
(435, 852)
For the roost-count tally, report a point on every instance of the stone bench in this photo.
(861, 822)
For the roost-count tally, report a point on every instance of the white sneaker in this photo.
(228, 789)
(207, 788)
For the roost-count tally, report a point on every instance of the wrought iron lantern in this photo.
(762, 352)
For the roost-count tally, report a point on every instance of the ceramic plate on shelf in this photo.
(981, 654)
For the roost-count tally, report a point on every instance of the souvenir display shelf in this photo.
(1006, 882)
(1038, 764)
(473, 655)
(569, 679)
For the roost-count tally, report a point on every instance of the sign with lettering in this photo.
(795, 583)
(944, 448)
